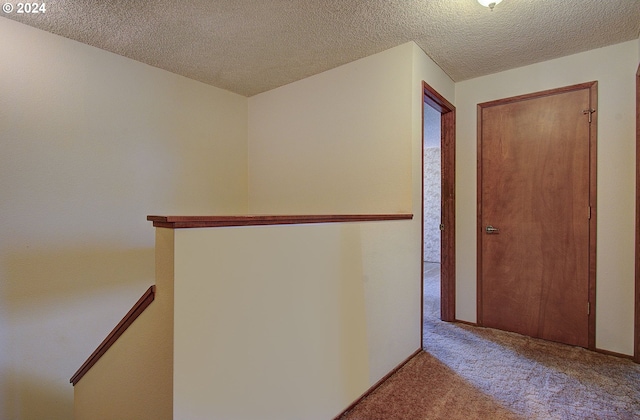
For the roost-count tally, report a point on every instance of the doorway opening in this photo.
(438, 208)
(431, 213)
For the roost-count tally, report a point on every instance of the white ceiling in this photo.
(251, 46)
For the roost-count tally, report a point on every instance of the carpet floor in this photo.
(468, 372)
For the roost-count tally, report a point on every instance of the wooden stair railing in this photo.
(113, 336)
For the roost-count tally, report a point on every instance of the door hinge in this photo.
(588, 308)
(441, 226)
(589, 111)
(589, 212)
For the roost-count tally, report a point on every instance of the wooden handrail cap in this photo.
(185, 222)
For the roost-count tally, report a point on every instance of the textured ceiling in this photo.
(251, 46)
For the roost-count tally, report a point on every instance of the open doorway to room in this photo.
(431, 213)
(438, 208)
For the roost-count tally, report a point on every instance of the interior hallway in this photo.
(470, 372)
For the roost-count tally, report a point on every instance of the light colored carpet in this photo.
(468, 372)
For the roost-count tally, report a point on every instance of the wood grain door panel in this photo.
(534, 172)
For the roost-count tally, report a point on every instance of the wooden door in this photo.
(535, 213)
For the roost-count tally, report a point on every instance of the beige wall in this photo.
(335, 142)
(349, 141)
(134, 379)
(269, 322)
(91, 143)
(614, 68)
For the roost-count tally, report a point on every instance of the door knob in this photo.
(490, 229)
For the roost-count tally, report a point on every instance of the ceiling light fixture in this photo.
(489, 3)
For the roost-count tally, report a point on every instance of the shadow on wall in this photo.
(28, 397)
(35, 274)
(56, 306)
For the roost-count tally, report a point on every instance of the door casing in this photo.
(636, 341)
